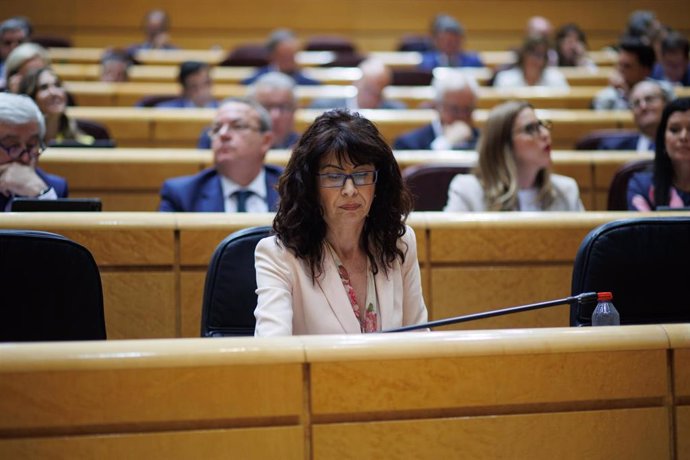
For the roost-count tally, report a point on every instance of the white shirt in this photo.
(257, 202)
(644, 144)
(514, 78)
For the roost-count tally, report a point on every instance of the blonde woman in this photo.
(513, 173)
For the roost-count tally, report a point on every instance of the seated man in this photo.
(239, 180)
(115, 66)
(282, 48)
(674, 65)
(376, 76)
(449, 37)
(635, 62)
(156, 25)
(275, 91)
(456, 98)
(647, 101)
(21, 142)
(195, 78)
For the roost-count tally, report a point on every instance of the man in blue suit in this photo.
(195, 78)
(239, 181)
(449, 37)
(647, 101)
(22, 129)
(455, 100)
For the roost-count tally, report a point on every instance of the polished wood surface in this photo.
(489, 394)
(129, 179)
(150, 127)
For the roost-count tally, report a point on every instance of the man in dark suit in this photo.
(449, 37)
(195, 78)
(455, 100)
(239, 181)
(376, 76)
(282, 48)
(647, 101)
(22, 129)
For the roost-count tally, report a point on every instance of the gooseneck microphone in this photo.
(585, 297)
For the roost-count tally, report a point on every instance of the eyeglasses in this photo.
(232, 127)
(360, 178)
(534, 128)
(637, 103)
(16, 151)
(280, 108)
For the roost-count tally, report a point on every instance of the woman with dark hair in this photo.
(571, 47)
(342, 259)
(532, 68)
(45, 88)
(669, 185)
(514, 167)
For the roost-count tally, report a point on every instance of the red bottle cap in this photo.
(604, 296)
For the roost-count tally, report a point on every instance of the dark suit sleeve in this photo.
(403, 143)
(170, 200)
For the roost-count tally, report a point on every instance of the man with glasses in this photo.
(456, 98)
(275, 91)
(21, 142)
(239, 181)
(647, 101)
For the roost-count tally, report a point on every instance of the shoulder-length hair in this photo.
(299, 223)
(663, 168)
(497, 167)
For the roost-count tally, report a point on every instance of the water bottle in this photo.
(605, 314)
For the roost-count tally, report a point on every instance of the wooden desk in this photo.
(142, 127)
(488, 394)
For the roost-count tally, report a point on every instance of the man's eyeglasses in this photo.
(637, 103)
(233, 127)
(280, 108)
(333, 180)
(534, 128)
(16, 151)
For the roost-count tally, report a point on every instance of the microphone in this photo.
(585, 297)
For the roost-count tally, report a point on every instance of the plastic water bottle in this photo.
(605, 314)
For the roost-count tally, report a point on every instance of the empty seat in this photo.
(429, 183)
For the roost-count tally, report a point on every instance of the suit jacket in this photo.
(204, 141)
(619, 142)
(289, 303)
(202, 192)
(300, 79)
(58, 183)
(334, 103)
(432, 59)
(182, 103)
(421, 139)
(466, 194)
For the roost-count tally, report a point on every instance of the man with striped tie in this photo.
(239, 181)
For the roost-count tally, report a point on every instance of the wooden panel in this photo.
(191, 300)
(682, 430)
(139, 304)
(455, 293)
(631, 434)
(245, 443)
(79, 399)
(486, 384)
(681, 367)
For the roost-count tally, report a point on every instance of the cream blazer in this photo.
(465, 193)
(289, 303)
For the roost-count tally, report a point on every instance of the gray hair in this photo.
(273, 80)
(264, 117)
(279, 36)
(21, 54)
(446, 80)
(19, 109)
(14, 24)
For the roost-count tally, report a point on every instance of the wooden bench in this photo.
(142, 127)
(618, 392)
(153, 265)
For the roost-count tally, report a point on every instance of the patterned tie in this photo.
(241, 196)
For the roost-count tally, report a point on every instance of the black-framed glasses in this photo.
(534, 128)
(233, 127)
(359, 178)
(16, 151)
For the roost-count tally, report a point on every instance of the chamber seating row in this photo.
(616, 392)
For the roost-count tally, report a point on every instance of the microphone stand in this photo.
(580, 298)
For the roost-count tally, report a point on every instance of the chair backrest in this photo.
(51, 289)
(592, 140)
(51, 41)
(411, 77)
(618, 190)
(330, 43)
(230, 289)
(247, 55)
(415, 43)
(641, 262)
(429, 183)
(94, 129)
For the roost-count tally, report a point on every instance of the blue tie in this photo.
(242, 196)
